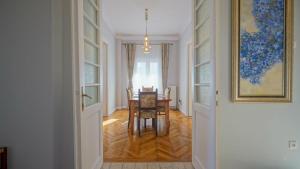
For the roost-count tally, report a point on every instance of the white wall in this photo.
(32, 118)
(255, 136)
(185, 39)
(109, 38)
(122, 75)
(173, 64)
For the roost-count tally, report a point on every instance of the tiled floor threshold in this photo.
(151, 165)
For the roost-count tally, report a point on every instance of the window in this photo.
(147, 69)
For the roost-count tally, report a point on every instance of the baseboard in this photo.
(97, 164)
(197, 164)
(115, 110)
(121, 108)
(112, 112)
(185, 114)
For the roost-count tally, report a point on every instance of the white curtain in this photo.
(148, 69)
(165, 50)
(130, 53)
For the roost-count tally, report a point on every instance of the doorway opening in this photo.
(173, 142)
(109, 139)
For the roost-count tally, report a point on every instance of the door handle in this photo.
(88, 96)
(84, 95)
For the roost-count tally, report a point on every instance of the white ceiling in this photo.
(166, 17)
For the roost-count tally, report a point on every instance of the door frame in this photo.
(75, 81)
(190, 78)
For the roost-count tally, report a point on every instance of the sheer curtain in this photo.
(148, 69)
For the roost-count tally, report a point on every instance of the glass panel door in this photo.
(204, 87)
(202, 57)
(91, 84)
(92, 62)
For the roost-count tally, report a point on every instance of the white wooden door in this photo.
(91, 84)
(190, 79)
(204, 86)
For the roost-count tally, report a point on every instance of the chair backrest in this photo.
(148, 100)
(129, 94)
(147, 89)
(167, 92)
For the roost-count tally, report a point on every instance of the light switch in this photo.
(293, 145)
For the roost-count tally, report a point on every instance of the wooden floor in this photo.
(176, 165)
(120, 146)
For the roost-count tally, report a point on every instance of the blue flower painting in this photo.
(262, 33)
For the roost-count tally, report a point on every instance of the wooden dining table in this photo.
(134, 102)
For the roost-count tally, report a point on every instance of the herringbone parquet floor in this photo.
(120, 146)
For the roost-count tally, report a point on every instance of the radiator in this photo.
(173, 96)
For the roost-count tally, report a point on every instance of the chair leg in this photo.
(139, 121)
(153, 123)
(128, 119)
(156, 124)
(145, 122)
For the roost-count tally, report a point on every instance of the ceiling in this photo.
(166, 17)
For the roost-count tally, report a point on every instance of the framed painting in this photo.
(262, 43)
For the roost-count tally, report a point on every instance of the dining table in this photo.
(161, 100)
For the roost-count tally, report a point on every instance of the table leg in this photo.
(167, 120)
(132, 110)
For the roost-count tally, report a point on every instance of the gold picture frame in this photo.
(249, 87)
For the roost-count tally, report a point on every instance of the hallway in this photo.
(120, 147)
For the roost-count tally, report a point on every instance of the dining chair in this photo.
(161, 106)
(147, 89)
(147, 109)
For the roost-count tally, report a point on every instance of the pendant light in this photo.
(147, 46)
